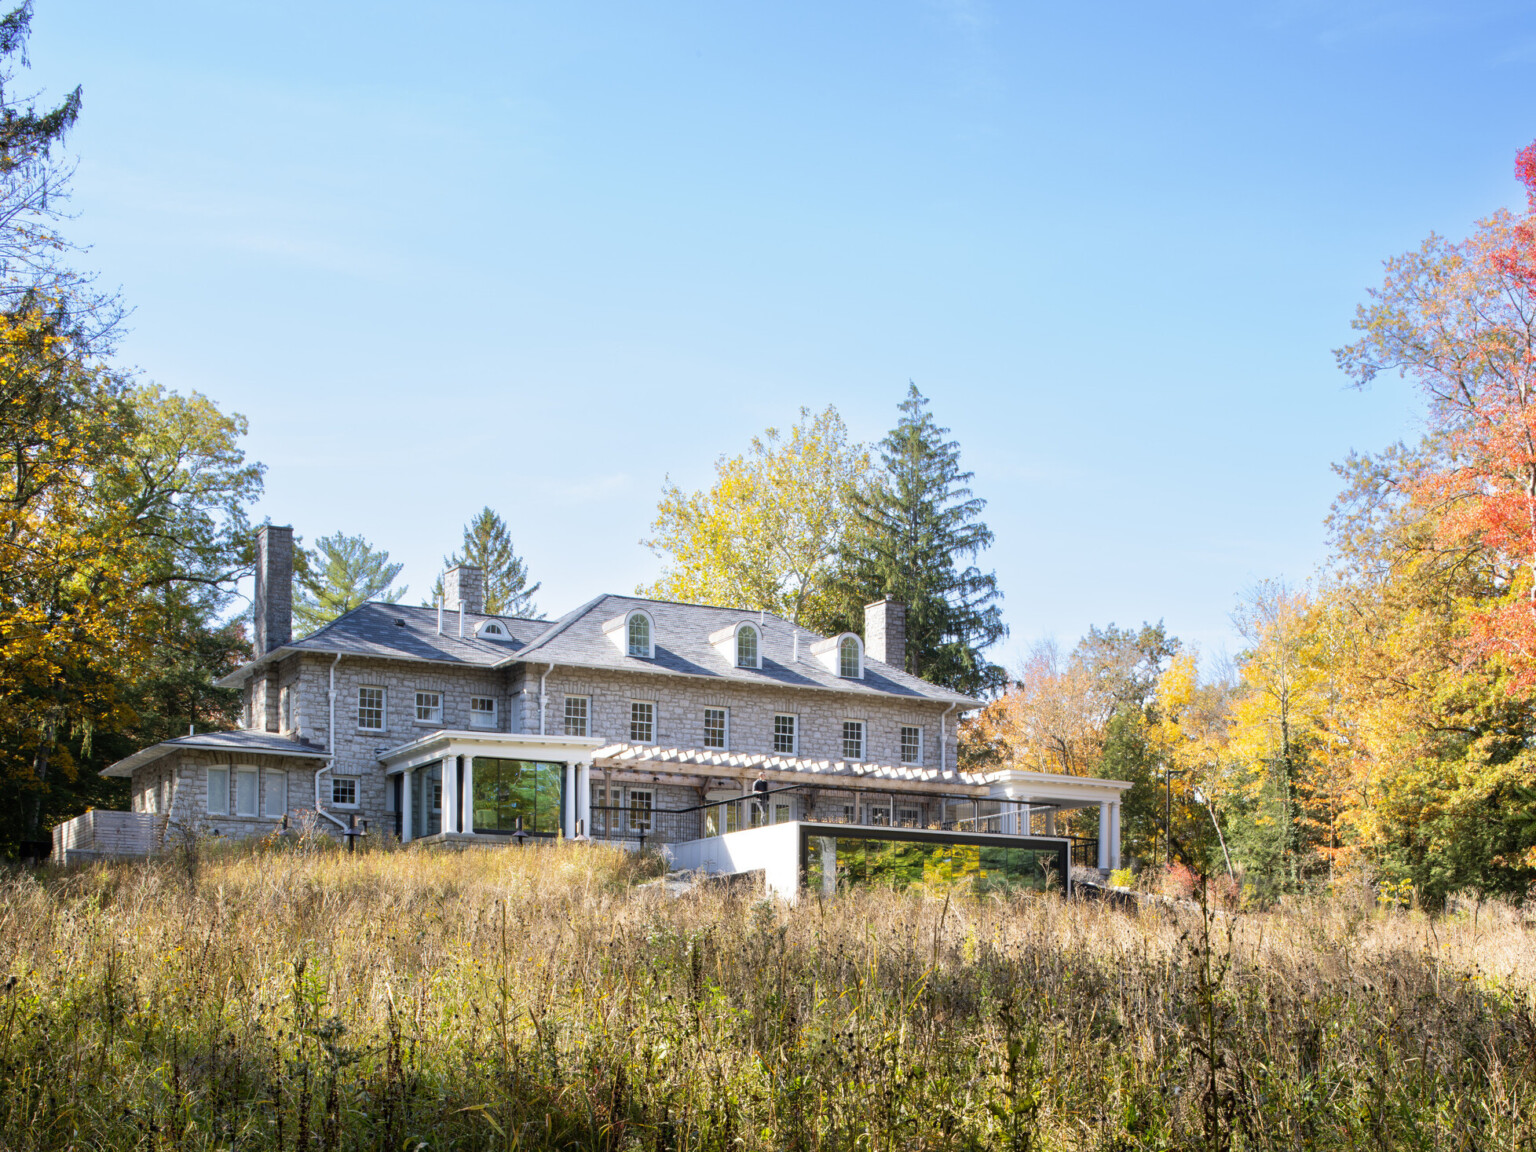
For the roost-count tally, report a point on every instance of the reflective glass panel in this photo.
(508, 789)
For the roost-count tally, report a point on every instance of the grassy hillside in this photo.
(543, 999)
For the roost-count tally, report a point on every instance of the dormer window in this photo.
(848, 659)
(491, 630)
(639, 634)
(746, 647)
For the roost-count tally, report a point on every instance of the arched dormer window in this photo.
(849, 663)
(491, 630)
(747, 646)
(638, 630)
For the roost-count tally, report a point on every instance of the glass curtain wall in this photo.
(835, 863)
(508, 789)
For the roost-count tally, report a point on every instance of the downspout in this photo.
(330, 740)
(944, 736)
(542, 697)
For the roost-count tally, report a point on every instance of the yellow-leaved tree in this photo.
(766, 534)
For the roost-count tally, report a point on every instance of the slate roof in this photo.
(245, 741)
(402, 632)
(577, 639)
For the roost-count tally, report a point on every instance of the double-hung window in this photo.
(746, 646)
(853, 739)
(642, 722)
(429, 707)
(218, 791)
(848, 659)
(639, 635)
(275, 788)
(245, 792)
(482, 712)
(717, 728)
(639, 810)
(911, 744)
(786, 734)
(285, 708)
(577, 713)
(370, 709)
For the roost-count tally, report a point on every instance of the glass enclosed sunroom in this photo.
(465, 784)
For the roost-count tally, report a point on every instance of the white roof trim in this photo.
(445, 742)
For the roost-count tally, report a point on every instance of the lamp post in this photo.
(1168, 775)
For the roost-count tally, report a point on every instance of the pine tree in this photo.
(341, 573)
(915, 531)
(488, 546)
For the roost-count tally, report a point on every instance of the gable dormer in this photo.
(841, 655)
(741, 644)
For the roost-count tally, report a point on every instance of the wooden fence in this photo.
(98, 834)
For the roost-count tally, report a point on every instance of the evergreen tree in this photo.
(488, 546)
(338, 574)
(915, 531)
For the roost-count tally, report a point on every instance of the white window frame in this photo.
(863, 738)
(218, 791)
(725, 729)
(901, 735)
(756, 660)
(245, 771)
(434, 708)
(794, 733)
(635, 806)
(858, 658)
(634, 719)
(586, 715)
(482, 717)
(350, 782)
(383, 692)
(274, 793)
(648, 650)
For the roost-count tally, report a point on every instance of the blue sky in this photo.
(542, 256)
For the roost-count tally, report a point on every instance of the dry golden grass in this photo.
(545, 998)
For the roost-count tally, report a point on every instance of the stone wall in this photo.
(187, 776)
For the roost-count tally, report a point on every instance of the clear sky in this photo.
(543, 256)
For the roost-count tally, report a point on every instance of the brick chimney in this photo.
(885, 632)
(464, 582)
(274, 587)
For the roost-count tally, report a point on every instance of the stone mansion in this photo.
(446, 723)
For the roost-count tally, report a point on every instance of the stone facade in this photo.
(679, 703)
(177, 787)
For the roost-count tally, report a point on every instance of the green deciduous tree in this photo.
(915, 533)
(341, 573)
(488, 546)
(767, 534)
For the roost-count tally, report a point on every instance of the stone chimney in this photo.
(274, 587)
(885, 632)
(466, 583)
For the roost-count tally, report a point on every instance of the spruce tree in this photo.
(917, 530)
(487, 545)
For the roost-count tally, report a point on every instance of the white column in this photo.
(1114, 840)
(1023, 820)
(450, 771)
(405, 808)
(568, 817)
(469, 795)
(1103, 835)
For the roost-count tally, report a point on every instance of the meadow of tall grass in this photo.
(281, 997)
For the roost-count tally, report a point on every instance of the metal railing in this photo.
(643, 823)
